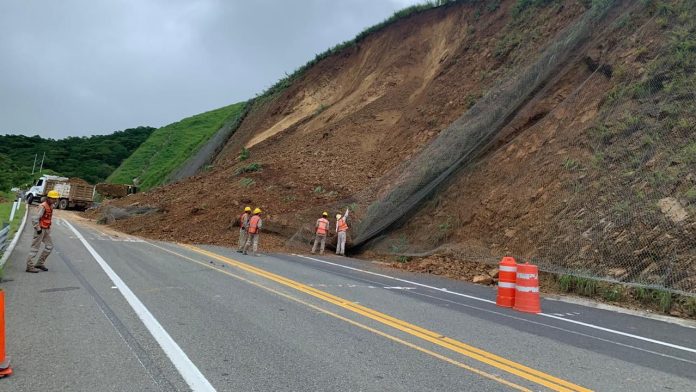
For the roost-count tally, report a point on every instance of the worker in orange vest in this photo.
(42, 233)
(321, 229)
(243, 228)
(253, 230)
(341, 231)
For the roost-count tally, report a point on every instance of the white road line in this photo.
(193, 377)
(400, 280)
(659, 342)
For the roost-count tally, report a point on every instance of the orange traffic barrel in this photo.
(507, 275)
(527, 289)
(5, 369)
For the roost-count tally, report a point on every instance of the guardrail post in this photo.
(13, 210)
(4, 233)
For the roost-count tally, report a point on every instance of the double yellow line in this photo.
(483, 356)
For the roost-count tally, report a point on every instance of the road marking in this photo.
(480, 355)
(588, 325)
(556, 328)
(352, 322)
(193, 377)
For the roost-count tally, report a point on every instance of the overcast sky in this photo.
(73, 68)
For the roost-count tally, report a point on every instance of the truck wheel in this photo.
(30, 198)
(63, 204)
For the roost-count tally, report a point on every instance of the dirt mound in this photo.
(112, 190)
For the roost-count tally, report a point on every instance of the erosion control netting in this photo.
(629, 207)
(624, 208)
(469, 136)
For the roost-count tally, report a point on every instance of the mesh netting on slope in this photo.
(467, 137)
(623, 204)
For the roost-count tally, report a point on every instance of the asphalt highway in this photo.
(119, 313)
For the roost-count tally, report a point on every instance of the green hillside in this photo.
(91, 158)
(168, 147)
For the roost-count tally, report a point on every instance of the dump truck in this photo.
(74, 192)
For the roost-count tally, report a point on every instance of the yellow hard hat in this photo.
(324, 213)
(257, 211)
(53, 195)
(247, 209)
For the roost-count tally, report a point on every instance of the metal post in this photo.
(34, 167)
(15, 205)
(42, 159)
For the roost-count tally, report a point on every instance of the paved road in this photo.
(116, 313)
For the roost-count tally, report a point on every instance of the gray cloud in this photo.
(74, 67)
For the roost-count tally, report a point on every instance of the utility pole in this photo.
(34, 167)
(42, 159)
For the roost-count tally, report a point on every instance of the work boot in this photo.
(32, 270)
(239, 251)
(244, 253)
(41, 267)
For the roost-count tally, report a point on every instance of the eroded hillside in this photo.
(548, 188)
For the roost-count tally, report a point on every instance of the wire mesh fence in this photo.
(630, 197)
(626, 205)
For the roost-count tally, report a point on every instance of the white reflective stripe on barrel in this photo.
(507, 268)
(526, 276)
(527, 289)
(506, 285)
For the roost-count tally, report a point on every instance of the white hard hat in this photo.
(338, 216)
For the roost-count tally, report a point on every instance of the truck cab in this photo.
(39, 190)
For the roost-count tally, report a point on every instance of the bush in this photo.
(254, 167)
(612, 294)
(565, 283)
(244, 154)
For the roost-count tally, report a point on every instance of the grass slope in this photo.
(5, 208)
(168, 147)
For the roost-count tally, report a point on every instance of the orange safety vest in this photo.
(243, 219)
(45, 220)
(254, 224)
(322, 226)
(342, 225)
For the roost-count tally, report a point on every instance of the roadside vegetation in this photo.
(6, 200)
(654, 299)
(90, 158)
(168, 147)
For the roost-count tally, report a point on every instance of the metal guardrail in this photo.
(4, 233)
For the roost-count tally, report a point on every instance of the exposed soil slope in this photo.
(597, 176)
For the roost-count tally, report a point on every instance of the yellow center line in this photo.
(486, 357)
(355, 323)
